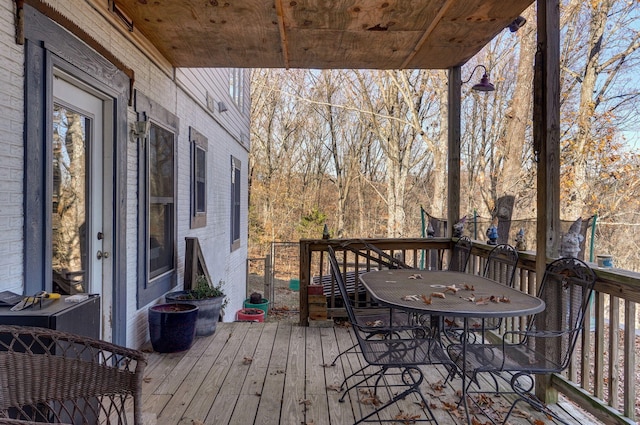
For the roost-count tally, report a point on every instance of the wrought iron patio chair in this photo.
(56, 377)
(375, 319)
(395, 351)
(501, 267)
(460, 255)
(548, 342)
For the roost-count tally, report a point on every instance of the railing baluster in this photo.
(614, 351)
(598, 378)
(629, 359)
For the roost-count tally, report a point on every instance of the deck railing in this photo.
(604, 373)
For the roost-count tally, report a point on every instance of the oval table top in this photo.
(465, 295)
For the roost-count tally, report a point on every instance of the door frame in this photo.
(49, 46)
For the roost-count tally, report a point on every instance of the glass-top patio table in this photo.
(448, 293)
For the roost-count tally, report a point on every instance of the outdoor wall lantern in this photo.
(140, 129)
(484, 84)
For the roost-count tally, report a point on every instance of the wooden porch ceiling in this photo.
(368, 34)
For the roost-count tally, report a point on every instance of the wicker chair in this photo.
(56, 377)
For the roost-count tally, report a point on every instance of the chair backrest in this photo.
(501, 264)
(460, 255)
(566, 289)
(337, 275)
(52, 376)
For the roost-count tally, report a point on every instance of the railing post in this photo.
(305, 277)
(268, 278)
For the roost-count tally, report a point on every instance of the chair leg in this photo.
(525, 395)
(335, 359)
(413, 386)
(363, 380)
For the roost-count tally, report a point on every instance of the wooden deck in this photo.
(276, 373)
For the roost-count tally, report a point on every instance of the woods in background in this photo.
(363, 150)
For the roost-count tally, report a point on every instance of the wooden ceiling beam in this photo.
(427, 33)
(283, 33)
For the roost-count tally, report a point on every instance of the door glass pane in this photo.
(69, 199)
(161, 201)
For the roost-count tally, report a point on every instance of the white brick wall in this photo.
(184, 96)
(11, 152)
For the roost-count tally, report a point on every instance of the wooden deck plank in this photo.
(293, 407)
(189, 385)
(270, 406)
(317, 411)
(339, 413)
(287, 367)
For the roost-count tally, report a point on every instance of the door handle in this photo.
(100, 255)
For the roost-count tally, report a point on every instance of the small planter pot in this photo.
(264, 305)
(172, 327)
(250, 315)
(208, 310)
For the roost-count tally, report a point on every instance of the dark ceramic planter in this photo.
(172, 327)
(208, 310)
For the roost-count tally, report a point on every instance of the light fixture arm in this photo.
(484, 84)
(486, 73)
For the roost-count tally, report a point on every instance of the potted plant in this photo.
(256, 300)
(210, 299)
(250, 315)
(172, 327)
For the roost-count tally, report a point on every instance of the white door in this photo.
(81, 235)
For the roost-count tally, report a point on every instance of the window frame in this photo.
(199, 143)
(236, 87)
(236, 201)
(149, 289)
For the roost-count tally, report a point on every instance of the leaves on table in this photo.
(415, 276)
(452, 288)
(411, 298)
(438, 295)
(425, 299)
(468, 287)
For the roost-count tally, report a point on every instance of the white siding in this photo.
(183, 95)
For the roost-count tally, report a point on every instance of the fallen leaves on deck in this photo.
(406, 418)
(334, 387)
(369, 397)
(247, 360)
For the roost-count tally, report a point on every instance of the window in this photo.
(161, 201)
(236, 87)
(235, 203)
(199, 147)
(157, 249)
